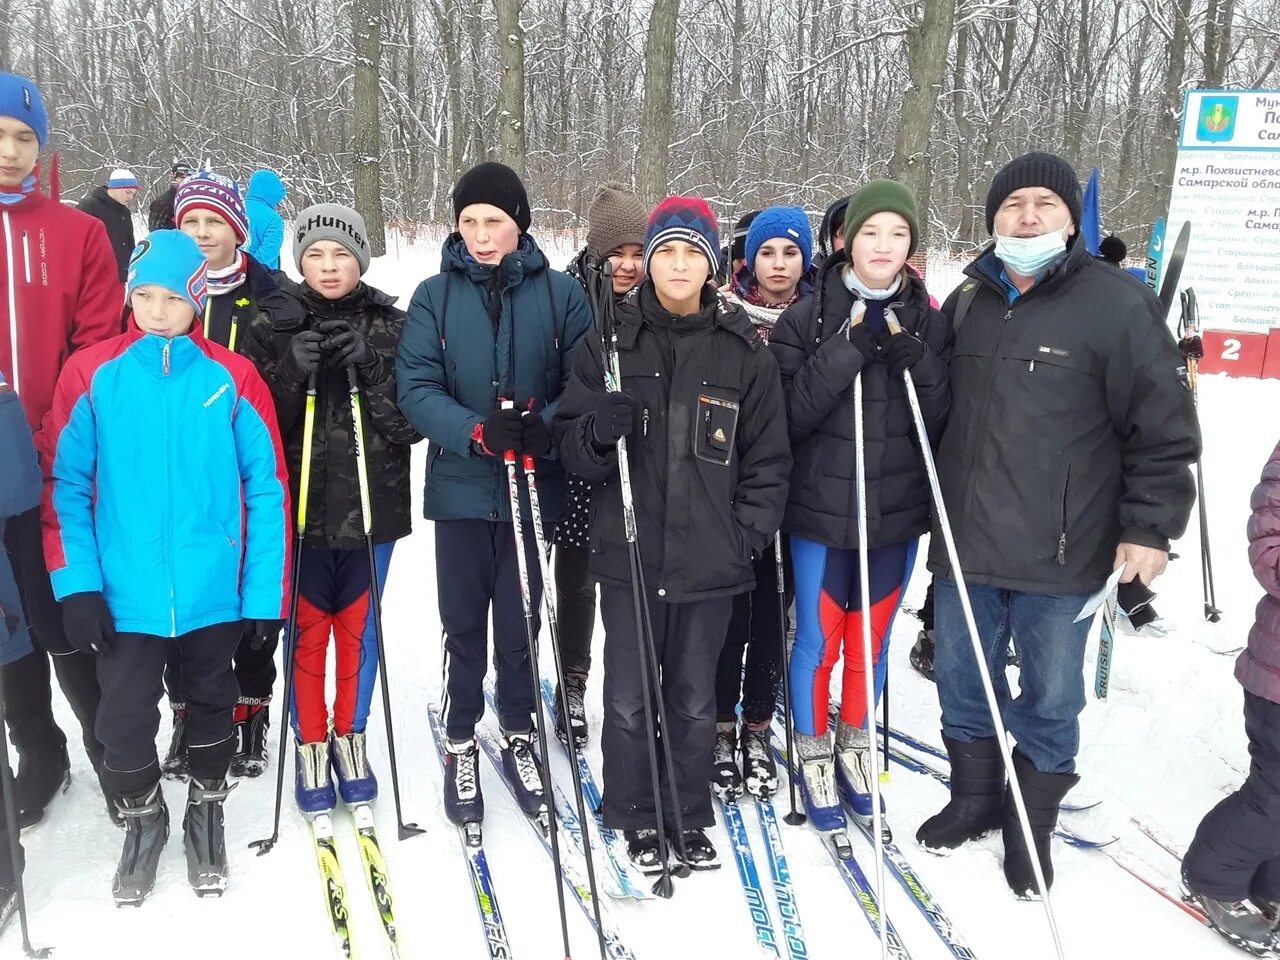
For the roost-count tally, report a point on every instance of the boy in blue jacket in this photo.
(19, 492)
(166, 523)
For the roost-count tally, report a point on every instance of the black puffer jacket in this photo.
(334, 517)
(115, 216)
(1070, 431)
(228, 316)
(160, 213)
(709, 458)
(818, 366)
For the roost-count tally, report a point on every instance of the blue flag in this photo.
(1091, 215)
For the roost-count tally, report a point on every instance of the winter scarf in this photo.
(228, 278)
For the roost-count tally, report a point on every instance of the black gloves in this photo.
(503, 430)
(901, 351)
(535, 436)
(615, 418)
(261, 632)
(866, 340)
(87, 622)
(303, 356)
(344, 345)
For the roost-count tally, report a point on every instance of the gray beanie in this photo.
(331, 221)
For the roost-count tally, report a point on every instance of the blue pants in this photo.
(1044, 717)
(829, 621)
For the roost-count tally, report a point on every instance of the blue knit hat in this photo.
(683, 218)
(789, 223)
(215, 193)
(20, 99)
(170, 259)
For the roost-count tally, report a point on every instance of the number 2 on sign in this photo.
(1231, 349)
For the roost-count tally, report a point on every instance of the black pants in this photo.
(28, 695)
(754, 629)
(687, 639)
(476, 573)
(132, 673)
(575, 607)
(1236, 850)
(255, 672)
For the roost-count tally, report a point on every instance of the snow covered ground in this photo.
(1167, 745)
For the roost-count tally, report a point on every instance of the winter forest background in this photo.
(745, 102)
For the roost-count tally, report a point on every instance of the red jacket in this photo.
(59, 291)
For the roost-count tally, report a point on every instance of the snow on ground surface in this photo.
(1167, 745)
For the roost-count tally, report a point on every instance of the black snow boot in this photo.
(921, 655)
(146, 823)
(1042, 792)
(203, 837)
(977, 796)
(694, 848)
(42, 775)
(575, 690)
(175, 765)
(250, 758)
(1240, 922)
(643, 850)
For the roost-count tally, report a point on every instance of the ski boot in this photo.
(977, 796)
(522, 769)
(1237, 921)
(694, 849)
(726, 778)
(356, 782)
(1269, 909)
(921, 655)
(146, 823)
(818, 787)
(203, 837)
(1041, 792)
(758, 766)
(42, 775)
(252, 721)
(313, 787)
(175, 766)
(463, 801)
(575, 690)
(854, 773)
(643, 851)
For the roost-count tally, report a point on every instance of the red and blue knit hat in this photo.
(683, 218)
(215, 193)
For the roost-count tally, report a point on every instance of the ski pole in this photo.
(11, 828)
(953, 558)
(795, 817)
(295, 586)
(1192, 348)
(663, 886)
(868, 658)
(531, 638)
(884, 697)
(375, 597)
(553, 629)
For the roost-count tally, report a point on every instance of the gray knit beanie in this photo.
(616, 216)
(331, 221)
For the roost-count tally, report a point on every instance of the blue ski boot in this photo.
(313, 787)
(818, 787)
(853, 770)
(522, 768)
(356, 782)
(463, 801)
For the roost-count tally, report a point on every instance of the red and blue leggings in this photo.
(829, 620)
(334, 600)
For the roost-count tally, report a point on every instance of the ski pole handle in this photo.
(508, 456)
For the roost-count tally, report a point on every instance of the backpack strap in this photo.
(967, 293)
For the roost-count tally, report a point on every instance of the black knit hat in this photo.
(738, 243)
(495, 184)
(1034, 170)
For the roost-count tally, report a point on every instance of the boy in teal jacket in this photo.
(166, 521)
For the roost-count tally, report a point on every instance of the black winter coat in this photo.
(115, 216)
(160, 213)
(709, 458)
(334, 517)
(229, 315)
(818, 366)
(1070, 429)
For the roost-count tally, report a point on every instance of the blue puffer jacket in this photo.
(462, 349)
(266, 228)
(169, 489)
(19, 492)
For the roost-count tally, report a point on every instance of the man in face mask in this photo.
(1065, 456)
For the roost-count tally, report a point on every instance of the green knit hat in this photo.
(879, 196)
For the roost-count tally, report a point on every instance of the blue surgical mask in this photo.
(1027, 256)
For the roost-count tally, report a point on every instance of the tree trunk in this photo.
(657, 115)
(1217, 41)
(1170, 116)
(511, 143)
(366, 30)
(964, 128)
(927, 44)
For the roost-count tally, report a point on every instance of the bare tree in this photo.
(511, 146)
(366, 31)
(656, 114)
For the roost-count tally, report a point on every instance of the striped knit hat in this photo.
(683, 218)
(122, 179)
(215, 193)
